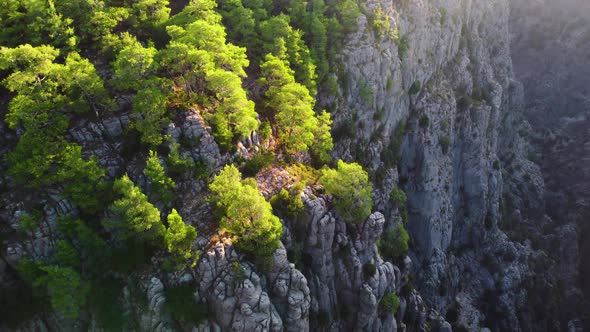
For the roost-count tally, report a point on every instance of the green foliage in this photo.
(257, 163)
(82, 180)
(352, 191)
(237, 110)
(265, 131)
(398, 196)
(281, 40)
(415, 88)
(403, 45)
(366, 93)
(394, 242)
(369, 270)
(201, 58)
(424, 122)
(160, 184)
(134, 216)
(304, 173)
(247, 216)
(35, 21)
(104, 301)
(66, 254)
(182, 306)
(149, 13)
(380, 23)
(323, 139)
(348, 13)
(149, 108)
(289, 202)
(179, 238)
(296, 124)
(65, 288)
(389, 303)
(239, 274)
(28, 222)
(45, 93)
(179, 164)
(133, 65)
(391, 155)
(445, 143)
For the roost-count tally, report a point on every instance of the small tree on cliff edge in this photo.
(352, 191)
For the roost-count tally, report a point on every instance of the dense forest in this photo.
(249, 69)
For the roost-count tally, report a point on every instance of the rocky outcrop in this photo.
(337, 257)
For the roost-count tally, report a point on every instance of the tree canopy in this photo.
(352, 191)
(247, 216)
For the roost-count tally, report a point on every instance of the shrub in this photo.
(179, 239)
(415, 88)
(398, 196)
(394, 242)
(181, 305)
(238, 272)
(257, 163)
(389, 302)
(134, 216)
(289, 202)
(352, 191)
(424, 122)
(445, 143)
(391, 155)
(496, 164)
(247, 216)
(265, 131)
(160, 184)
(403, 45)
(369, 270)
(366, 93)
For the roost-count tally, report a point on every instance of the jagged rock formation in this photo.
(464, 164)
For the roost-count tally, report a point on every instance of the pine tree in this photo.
(135, 217)
(179, 238)
(247, 216)
(352, 191)
(160, 184)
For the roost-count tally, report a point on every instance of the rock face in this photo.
(464, 163)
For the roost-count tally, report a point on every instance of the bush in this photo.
(265, 131)
(398, 197)
(289, 203)
(415, 88)
(179, 239)
(247, 216)
(133, 215)
(391, 155)
(403, 45)
(369, 270)
(181, 305)
(352, 191)
(394, 243)
(389, 302)
(366, 93)
(424, 122)
(160, 184)
(239, 274)
(257, 163)
(445, 143)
